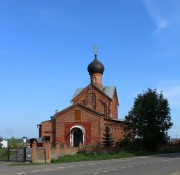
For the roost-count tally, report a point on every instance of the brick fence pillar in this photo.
(34, 152)
(48, 152)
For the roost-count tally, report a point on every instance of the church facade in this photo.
(93, 108)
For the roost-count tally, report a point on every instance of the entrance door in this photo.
(77, 137)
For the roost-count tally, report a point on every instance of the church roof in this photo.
(108, 90)
(78, 91)
(99, 114)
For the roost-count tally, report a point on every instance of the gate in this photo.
(16, 154)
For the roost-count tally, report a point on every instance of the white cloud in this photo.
(164, 13)
(155, 13)
(162, 24)
(171, 91)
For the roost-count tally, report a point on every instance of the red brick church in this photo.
(93, 107)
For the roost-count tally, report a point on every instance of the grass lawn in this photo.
(85, 157)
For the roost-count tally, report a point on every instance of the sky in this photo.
(46, 46)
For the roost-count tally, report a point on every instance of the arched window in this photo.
(92, 100)
(94, 79)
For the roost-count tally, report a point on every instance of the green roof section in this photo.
(78, 91)
(108, 90)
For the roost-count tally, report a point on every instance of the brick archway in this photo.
(77, 134)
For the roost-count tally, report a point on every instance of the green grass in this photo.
(85, 157)
(96, 156)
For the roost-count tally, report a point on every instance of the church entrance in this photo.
(77, 135)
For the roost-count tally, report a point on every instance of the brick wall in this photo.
(88, 120)
(93, 125)
(116, 129)
(46, 154)
(46, 129)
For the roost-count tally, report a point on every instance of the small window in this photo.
(94, 79)
(46, 138)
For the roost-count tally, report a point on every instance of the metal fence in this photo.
(16, 154)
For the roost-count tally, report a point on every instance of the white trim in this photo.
(72, 136)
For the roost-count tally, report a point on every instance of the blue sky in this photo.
(46, 46)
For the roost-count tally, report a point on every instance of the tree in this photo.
(12, 143)
(108, 141)
(149, 120)
(1, 141)
(125, 144)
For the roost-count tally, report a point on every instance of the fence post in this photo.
(34, 152)
(24, 153)
(48, 152)
(8, 154)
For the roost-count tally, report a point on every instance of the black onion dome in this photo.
(95, 67)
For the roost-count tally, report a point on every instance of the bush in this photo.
(126, 144)
(4, 154)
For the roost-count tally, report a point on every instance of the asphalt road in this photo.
(168, 164)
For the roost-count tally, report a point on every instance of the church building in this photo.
(93, 108)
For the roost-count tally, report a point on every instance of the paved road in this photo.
(149, 165)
